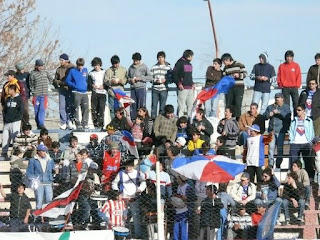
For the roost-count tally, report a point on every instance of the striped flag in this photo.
(123, 100)
(64, 203)
(128, 140)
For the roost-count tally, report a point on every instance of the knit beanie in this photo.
(264, 56)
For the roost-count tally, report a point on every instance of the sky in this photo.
(245, 28)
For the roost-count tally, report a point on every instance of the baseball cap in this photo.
(182, 141)
(19, 66)
(93, 136)
(10, 72)
(264, 205)
(110, 127)
(113, 145)
(42, 147)
(255, 127)
(316, 140)
(278, 95)
(39, 62)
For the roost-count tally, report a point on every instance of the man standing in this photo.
(39, 79)
(138, 76)
(65, 95)
(314, 70)
(40, 169)
(264, 74)
(12, 114)
(116, 78)
(289, 79)
(76, 80)
(238, 71)
(98, 97)
(182, 77)
(279, 114)
(310, 98)
(23, 77)
(160, 73)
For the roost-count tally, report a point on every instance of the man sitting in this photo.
(25, 142)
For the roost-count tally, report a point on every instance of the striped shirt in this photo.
(158, 73)
(236, 67)
(114, 211)
(244, 221)
(38, 81)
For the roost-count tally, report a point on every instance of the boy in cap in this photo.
(239, 223)
(65, 95)
(264, 75)
(40, 170)
(210, 214)
(38, 80)
(254, 153)
(279, 114)
(12, 114)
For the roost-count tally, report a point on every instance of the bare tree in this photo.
(24, 38)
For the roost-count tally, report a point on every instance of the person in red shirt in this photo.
(289, 79)
(258, 215)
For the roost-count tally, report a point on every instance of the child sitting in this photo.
(137, 130)
(196, 142)
(45, 139)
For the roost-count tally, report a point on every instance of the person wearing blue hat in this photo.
(38, 80)
(39, 171)
(254, 153)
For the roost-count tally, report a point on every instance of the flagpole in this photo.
(159, 206)
(213, 28)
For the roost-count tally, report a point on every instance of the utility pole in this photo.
(213, 28)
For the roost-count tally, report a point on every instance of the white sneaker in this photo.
(71, 126)
(63, 126)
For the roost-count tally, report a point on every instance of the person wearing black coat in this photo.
(210, 214)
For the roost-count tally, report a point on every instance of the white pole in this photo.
(160, 213)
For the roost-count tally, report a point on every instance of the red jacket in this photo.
(110, 166)
(289, 75)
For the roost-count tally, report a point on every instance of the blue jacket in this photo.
(279, 123)
(273, 186)
(77, 80)
(308, 128)
(34, 170)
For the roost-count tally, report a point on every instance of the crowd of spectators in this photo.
(192, 209)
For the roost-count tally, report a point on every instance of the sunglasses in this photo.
(299, 110)
(264, 176)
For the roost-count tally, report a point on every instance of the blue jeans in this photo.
(65, 106)
(223, 218)
(139, 96)
(134, 209)
(41, 192)
(180, 229)
(40, 104)
(112, 105)
(285, 205)
(243, 136)
(211, 106)
(17, 225)
(158, 97)
(257, 96)
(85, 208)
(277, 139)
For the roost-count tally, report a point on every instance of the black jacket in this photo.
(206, 133)
(182, 73)
(315, 108)
(13, 109)
(210, 213)
(18, 205)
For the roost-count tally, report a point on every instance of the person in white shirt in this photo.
(99, 93)
(131, 184)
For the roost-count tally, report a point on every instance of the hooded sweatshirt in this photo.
(5, 94)
(77, 80)
(60, 76)
(263, 70)
(13, 109)
(182, 73)
(139, 71)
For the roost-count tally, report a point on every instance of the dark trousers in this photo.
(139, 96)
(25, 116)
(234, 98)
(161, 98)
(305, 150)
(294, 93)
(98, 105)
(227, 151)
(252, 170)
(111, 102)
(81, 100)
